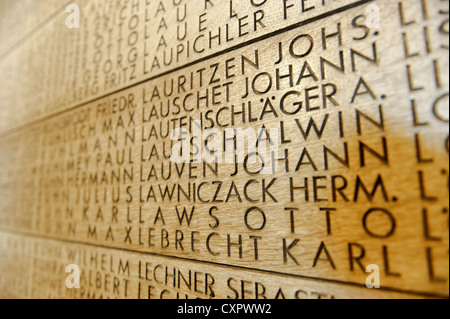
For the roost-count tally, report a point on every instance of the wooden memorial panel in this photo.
(227, 149)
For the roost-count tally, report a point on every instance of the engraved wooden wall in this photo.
(354, 110)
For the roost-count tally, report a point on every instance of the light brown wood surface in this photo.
(360, 113)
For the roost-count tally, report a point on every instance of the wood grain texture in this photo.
(355, 119)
